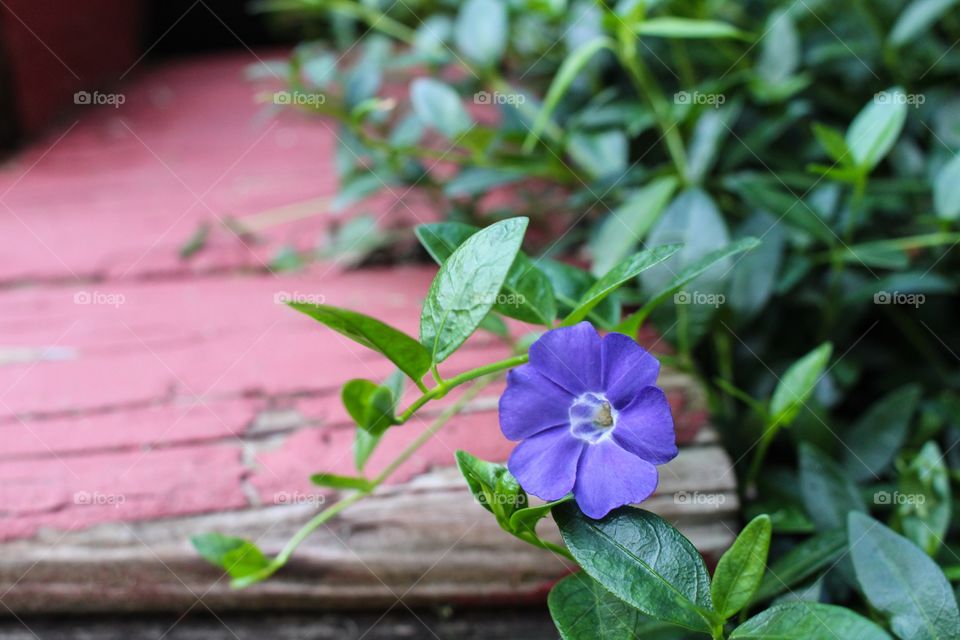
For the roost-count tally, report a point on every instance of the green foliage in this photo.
(741, 568)
(236, 556)
(809, 621)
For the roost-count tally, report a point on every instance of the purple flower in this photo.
(590, 419)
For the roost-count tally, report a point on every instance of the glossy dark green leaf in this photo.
(569, 286)
(741, 568)
(439, 106)
(797, 385)
(620, 274)
(803, 561)
(584, 610)
(874, 440)
(901, 582)
(467, 285)
(827, 492)
(876, 128)
(405, 352)
(238, 557)
(809, 621)
(642, 560)
(481, 31)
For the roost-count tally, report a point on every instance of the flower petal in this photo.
(570, 356)
(546, 464)
(609, 477)
(531, 404)
(645, 427)
(627, 368)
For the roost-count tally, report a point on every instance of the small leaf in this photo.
(466, 287)
(439, 106)
(797, 385)
(901, 582)
(481, 31)
(642, 560)
(584, 610)
(372, 407)
(809, 621)
(402, 350)
(924, 500)
(917, 18)
(569, 286)
(711, 129)
(602, 154)
(876, 128)
(670, 27)
(493, 487)
(946, 190)
(619, 275)
(236, 556)
(874, 440)
(334, 481)
(828, 493)
(832, 142)
(804, 560)
(741, 568)
(196, 242)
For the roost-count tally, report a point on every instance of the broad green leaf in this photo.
(901, 582)
(569, 286)
(876, 128)
(797, 385)
(439, 106)
(779, 50)
(619, 275)
(754, 277)
(335, 481)
(917, 18)
(828, 493)
(402, 350)
(626, 225)
(670, 27)
(803, 561)
(946, 190)
(572, 65)
(741, 568)
(481, 30)
(372, 407)
(527, 294)
(809, 621)
(924, 500)
(238, 557)
(874, 439)
(642, 560)
(584, 610)
(466, 287)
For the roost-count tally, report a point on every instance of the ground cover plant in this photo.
(773, 185)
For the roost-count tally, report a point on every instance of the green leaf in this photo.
(402, 350)
(754, 276)
(946, 190)
(196, 242)
(780, 52)
(602, 154)
(917, 18)
(584, 610)
(527, 294)
(439, 106)
(832, 142)
(804, 560)
(711, 129)
(475, 181)
(334, 481)
(924, 500)
(481, 31)
(569, 286)
(901, 582)
(670, 27)
(809, 621)
(619, 275)
(466, 287)
(571, 67)
(741, 568)
(626, 225)
(797, 385)
(879, 434)
(828, 493)
(493, 487)
(876, 128)
(236, 556)
(643, 561)
(372, 407)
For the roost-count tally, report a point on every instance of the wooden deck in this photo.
(144, 399)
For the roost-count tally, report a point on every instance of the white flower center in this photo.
(592, 417)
